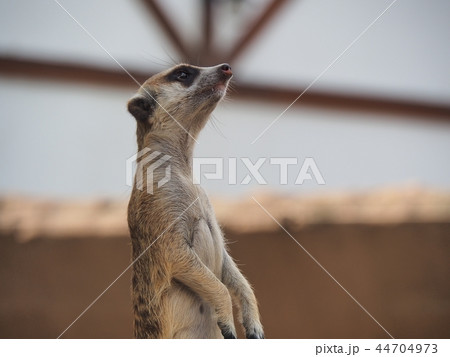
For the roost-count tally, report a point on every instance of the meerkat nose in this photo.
(226, 68)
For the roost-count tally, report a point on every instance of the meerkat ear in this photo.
(141, 107)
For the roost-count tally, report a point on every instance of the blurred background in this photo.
(375, 118)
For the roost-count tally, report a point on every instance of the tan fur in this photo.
(184, 283)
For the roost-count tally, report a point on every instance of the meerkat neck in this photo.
(179, 147)
(185, 149)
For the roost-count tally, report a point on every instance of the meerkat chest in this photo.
(207, 240)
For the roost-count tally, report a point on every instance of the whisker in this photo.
(213, 122)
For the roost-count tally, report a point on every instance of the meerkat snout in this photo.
(225, 76)
(226, 68)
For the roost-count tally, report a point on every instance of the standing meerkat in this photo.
(183, 280)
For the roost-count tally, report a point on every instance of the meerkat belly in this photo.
(208, 248)
(189, 315)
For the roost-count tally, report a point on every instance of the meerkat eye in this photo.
(182, 75)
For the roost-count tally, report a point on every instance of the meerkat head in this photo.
(180, 98)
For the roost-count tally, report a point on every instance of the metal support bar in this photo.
(256, 28)
(169, 28)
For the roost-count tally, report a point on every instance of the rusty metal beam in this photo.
(206, 52)
(169, 28)
(39, 69)
(345, 101)
(255, 29)
(44, 70)
(207, 25)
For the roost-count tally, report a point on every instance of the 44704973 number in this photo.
(404, 348)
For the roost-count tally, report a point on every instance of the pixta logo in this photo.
(146, 161)
(145, 169)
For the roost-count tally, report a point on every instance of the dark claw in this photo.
(254, 335)
(228, 335)
(226, 332)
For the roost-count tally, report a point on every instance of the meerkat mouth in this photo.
(218, 88)
(221, 87)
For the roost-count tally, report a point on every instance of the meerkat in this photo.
(184, 281)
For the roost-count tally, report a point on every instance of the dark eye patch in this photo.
(183, 74)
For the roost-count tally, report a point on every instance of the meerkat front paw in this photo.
(254, 330)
